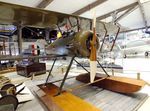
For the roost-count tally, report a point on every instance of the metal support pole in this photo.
(4, 46)
(103, 69)
(68, 69)
(19, 28)
(47, 33)
(2, 51)
(82, 66)
(50, 72)
(10, 46)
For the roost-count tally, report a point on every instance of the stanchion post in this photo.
(113, 72)
(138, 76)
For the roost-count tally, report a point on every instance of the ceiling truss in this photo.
(44, 3)
(127, 12)
(117, 10)
(89, 7)
(143, 13)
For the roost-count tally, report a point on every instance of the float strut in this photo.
(103, 68)
(64, 79)
(50, 72)
(81, 66)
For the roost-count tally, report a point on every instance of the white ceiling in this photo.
(147, 12)
(107, 7)
(30, 3)
(68, 6)
(132, 21)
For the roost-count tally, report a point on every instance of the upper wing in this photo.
(35, 17)
(27, 16)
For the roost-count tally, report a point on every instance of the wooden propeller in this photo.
(93, 63)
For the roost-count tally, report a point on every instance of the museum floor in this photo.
(131, 66)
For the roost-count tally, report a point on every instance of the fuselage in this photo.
(77, 44)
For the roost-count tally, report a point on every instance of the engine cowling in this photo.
(82, 43)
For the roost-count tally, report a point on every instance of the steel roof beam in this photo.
(127, 12)
(143, 13)
(89, 7)
(117, 10)
(129, 30)
(44, 3)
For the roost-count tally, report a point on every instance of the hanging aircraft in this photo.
(78, 40)
(135, 47)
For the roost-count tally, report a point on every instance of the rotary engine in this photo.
(83, 43)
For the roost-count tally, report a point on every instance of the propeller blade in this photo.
(93, 68)
(93, 63)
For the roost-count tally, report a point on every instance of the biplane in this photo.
(78, 39)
